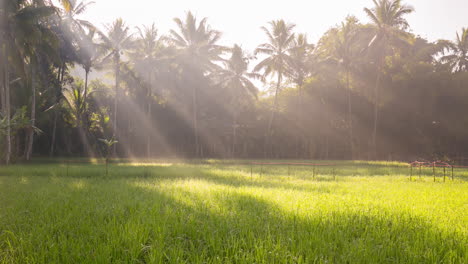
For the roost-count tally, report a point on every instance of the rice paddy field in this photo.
(218, 212)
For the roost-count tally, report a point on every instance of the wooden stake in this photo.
(444, 174)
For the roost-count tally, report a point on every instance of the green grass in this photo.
(357, 212)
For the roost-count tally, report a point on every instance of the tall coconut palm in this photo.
(389, 25)
(197, 42)
(89, 54)
(458, 59)
(70, 30)
(5, 12)
(67, 53)
(117, 40)
(198, 52)
(75, 27)
(236, 79)
(41, 49)
(71, 9)
(22, 31)
(344, 52)
(278, 49)
(298, 71)
(147, 57)
(300, 54)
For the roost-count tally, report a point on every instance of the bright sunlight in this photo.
(233, 131)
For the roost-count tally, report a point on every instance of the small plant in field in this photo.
(109, 143)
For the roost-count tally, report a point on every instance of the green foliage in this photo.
(18, 121)
(184, 94)
(281, 38)
(458, 59)
(108, 142)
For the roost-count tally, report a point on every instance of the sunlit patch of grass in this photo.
(227, 213)
(78, 184)
(24, 180)
(147, 164)
(384, 163)
(95, 161)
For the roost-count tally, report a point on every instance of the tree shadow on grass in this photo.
(242, 228)
(168, 173)
(237, 177)
(135, 221)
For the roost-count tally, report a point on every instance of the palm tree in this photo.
(41, 48)
(6, 98)
(458, 59)
(5, 39)
(108, 143)
(117, 40)
(22, 32)
(235, 78)
(197, 43)
(74, 47)
(389, 25)
(89, 55)
(67, 53)
(88, 50)
(300, 54)
(344, 53)
(298, 71)
(198, 52)
(281, 39)
(74, 97)
(149, 56)
(70, 10)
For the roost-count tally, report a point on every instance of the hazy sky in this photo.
(240, 20)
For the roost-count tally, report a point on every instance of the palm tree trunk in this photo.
(328, 126)
(85, 95)
(84, 116)
(350, 116)
(148, 135)
(114, 123)
(30, 135)
(7, 107)
(299, 135)
(61, 72)
(234, 135)
(2, 89)
(267, 144)
(376, 115)
(380, 67)
(54, 132)
(195, 119)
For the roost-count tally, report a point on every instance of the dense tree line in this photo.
(364, 91)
